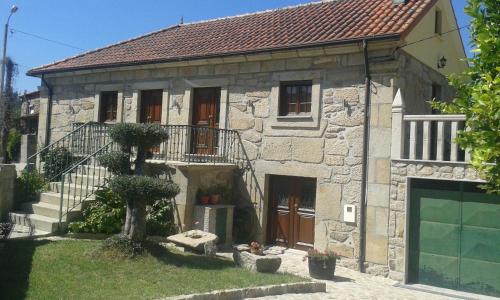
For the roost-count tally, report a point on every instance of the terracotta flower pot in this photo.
(322, 268)
(205, 200)
(215, 199)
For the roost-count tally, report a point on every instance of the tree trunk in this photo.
(135, 224)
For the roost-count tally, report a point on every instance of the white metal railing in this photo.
(426, 137)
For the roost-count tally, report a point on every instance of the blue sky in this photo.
(91, 24)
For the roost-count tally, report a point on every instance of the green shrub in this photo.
(116, 162)
(160, 219)
(56, 161)
(105, 215)
(143, 188)
(13, 144)
(244, 221)
(135, 134)
(28, 185)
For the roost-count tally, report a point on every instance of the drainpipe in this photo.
(49, 111)
(364, 174)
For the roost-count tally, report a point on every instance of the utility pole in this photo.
(13, 9)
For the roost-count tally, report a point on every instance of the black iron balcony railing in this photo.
(186, 143)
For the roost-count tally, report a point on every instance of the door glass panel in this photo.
(282, 198)
(307, 194)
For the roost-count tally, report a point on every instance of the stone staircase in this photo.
(42, 216)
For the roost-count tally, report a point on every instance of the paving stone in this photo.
(347, 284)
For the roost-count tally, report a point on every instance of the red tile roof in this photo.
(319, 23)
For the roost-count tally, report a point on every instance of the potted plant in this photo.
(203, 197)
(322, 264)
(215, 195)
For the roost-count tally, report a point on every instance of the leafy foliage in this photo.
(143, 188)
(29, 185)
(130, 183)
(136, 134)
(244, 221)
(160, 219)
(56, 161)
(5, 229)
(325, 255)
(116, 162)
(105, 215)
(13, 144)
(478, 93)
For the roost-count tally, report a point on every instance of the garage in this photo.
(454, 239)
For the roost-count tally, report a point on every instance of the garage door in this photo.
(454, 236)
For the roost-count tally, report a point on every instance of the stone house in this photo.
(332, 143)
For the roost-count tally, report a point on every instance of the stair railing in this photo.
(83, 139)
(82, 180)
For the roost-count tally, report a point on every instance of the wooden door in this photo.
(151, 110)
(291, 211)
(205, 121)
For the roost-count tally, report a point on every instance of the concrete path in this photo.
(348, 284)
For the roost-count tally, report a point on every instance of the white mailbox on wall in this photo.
(350, 213)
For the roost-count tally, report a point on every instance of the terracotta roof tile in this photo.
(293, 27)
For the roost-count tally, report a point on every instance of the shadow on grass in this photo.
(15, 267)
(192, 261)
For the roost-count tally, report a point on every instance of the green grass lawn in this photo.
(65, 270)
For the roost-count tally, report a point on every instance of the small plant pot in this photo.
(215, 199)
(322, 268)
(205, 200)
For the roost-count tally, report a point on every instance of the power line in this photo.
(431, 37)
(46, 39)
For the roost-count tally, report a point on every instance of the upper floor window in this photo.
(438, 22)
(295, 98)
(108, 106)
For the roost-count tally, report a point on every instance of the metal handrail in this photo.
(55, 142)
(83, 188)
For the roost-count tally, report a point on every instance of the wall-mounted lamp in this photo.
(441, 62)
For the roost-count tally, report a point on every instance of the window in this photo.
(108, 106)
(438, 22)
(295, 98)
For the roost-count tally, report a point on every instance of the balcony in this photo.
(186, 144)
(429, 138)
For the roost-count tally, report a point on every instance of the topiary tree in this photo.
(130, 183)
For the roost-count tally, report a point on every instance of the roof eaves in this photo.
(392, 36)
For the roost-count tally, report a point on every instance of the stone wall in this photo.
(415, 80)
(402, 172)
(327, 146)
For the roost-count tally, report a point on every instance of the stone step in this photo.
(78, 189)
(55, 199)
(92, 169)
(35, 221)
(19, 231)
(51, 210)
(86, 179)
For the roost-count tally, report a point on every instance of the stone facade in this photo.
(327, 146)
(402, 173)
